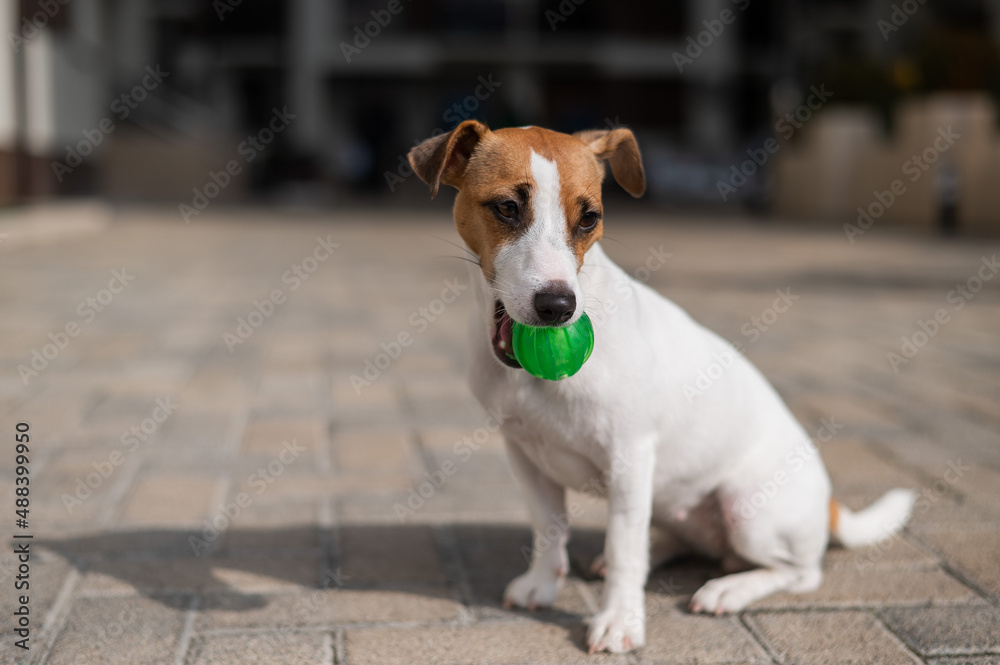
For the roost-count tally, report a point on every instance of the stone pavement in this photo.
(208, 486)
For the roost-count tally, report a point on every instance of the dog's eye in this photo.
(507, 211)
(589, 220)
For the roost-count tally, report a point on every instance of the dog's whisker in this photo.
(615, 240)
(607, 281)
(460, 258)
(461, 247)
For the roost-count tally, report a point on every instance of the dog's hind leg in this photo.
(731, 593)
(786, 536)
(790, 558)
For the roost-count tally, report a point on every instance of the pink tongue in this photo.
(507, 335)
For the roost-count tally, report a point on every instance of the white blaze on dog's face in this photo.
(529, 206)
(535, 274)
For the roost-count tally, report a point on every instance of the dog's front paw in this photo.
(617, 630)
(534, 589)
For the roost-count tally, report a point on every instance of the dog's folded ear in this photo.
(443, 158)
(618, 146)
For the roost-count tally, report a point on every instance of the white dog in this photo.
(529, 206)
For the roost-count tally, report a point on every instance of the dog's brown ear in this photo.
(443, 158)
(618, 146)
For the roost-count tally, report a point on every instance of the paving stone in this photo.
(417, 364)
(46, 576)
(249, 574)
(108, 433)
(853, 413)
(493, 643)
(270, 482)
(297, 570)
(126, 630)
(374, 452)
(329, 607)
(877, 584)
(279, 527)
(348, 484)
(938, 631)
(91, 544)
(826, 638)
(678, 637)
(493, 551)
(440, 397)
(971, 550)
(978, 484)
(277, 646)
(222, 388)
(478, 468)
(499, 504)
(899, 551)
(294, 352)
(373, 448)
(443, 440)
(265, 437)
(387, 555)
(486, 601)
(169, 500)
(60, 412)
(377, 402)
(154, 378)
(194, 429)
(855, 468)
(299, 391)
(10, 653)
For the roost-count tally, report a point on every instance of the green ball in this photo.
(553, 353)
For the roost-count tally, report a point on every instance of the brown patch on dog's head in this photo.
(492, 172)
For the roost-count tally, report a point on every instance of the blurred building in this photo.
(173, 99)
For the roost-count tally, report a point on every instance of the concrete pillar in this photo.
(9, 101)
(314, 32)
(709, 109)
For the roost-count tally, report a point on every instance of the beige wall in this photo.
(135, 165)
(843, 158)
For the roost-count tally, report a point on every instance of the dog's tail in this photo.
(879, 521)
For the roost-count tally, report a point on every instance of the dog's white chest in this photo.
(552, 436)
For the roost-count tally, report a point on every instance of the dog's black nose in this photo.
(555, 306)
